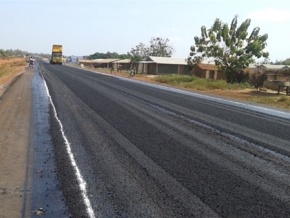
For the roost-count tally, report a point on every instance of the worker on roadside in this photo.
(31, 62)
(133, 72)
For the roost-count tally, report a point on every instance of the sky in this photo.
(85, 27)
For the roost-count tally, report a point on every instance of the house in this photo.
(87, 63)
(276, 72)
(207, 71)
(104, 63)
(163, 65)
(253, 69)
(123, 64)
(273, 72)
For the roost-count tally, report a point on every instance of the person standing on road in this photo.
(31, 62)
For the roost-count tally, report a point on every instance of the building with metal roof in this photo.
(123, 64)
(163, 65)
(207, 71)
(168, 60)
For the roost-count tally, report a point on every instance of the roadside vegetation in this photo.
(277, 100)
(10, 67)
(230, 46)
(200, 84)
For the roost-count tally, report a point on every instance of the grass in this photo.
(200, 84)
(281, 101)
(192, 82)
(11, 67)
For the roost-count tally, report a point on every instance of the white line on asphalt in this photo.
(82, 182)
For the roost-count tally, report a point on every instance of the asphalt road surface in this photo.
(127, 149)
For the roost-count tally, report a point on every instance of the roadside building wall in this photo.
(207, 71)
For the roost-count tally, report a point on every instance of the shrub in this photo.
(257, 79)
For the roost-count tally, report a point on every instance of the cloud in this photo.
(271, 15)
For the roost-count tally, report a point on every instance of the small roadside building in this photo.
(104, 63)
(207, 71)
(253, 69)
(276, 72)
(163, 65)
(123, 64)
(85, 62)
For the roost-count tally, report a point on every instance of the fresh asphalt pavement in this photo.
(144, 151)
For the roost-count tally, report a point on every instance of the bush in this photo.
(258, 79)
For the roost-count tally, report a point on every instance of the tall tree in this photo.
(140, 52)
(160, 47)
(230, 46)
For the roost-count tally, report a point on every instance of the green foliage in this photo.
(285, 62)
(196, 83)
(257, 79)
(174, 79)
(107, 55)
(158, 47)
(230, 47)
(140, 52)
(12, 53)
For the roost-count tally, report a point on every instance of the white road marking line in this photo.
(81, 181)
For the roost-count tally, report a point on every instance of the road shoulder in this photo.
(15, 110)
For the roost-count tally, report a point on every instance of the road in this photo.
(145, 151)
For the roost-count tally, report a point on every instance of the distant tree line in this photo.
(158, 47)
(285, 62)
(20, 53)
(99, 55)
(13, 53)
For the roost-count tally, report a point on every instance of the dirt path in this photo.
(15, 115)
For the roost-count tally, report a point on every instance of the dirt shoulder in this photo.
(15, 109)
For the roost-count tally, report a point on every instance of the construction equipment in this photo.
(56, 56)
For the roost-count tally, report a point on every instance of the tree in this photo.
(15, 53)
(160, 47)
(140, 52)
(2, 53)
(99, 55)
(285, 62)
(231, 47)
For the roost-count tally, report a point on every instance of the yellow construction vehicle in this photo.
(56, 56)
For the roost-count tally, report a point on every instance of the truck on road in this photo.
(56, 56)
